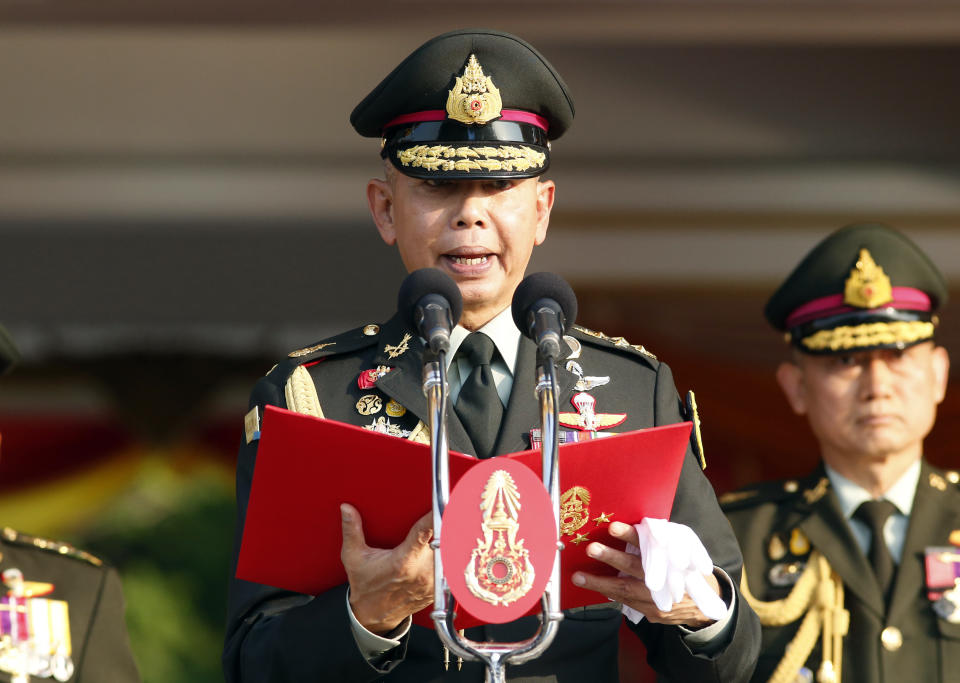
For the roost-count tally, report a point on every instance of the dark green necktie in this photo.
(874, 513)
(478, 405)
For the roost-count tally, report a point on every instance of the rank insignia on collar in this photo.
(868, 286)
(474, 98)
(586, 418)
(400, 349)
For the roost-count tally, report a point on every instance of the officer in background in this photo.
(465, 124)
(852, 569)
(62, 609)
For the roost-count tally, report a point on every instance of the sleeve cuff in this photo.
(712, 638)
(370, 644)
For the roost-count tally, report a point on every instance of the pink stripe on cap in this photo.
(441, 115)
(906, 298)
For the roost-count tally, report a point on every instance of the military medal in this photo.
(384, 426)
(586, 418)
(799, 543)
(368, 378)
(394, 409)
(369, 404)
(34, 631)
(566, 436)
(942, 565)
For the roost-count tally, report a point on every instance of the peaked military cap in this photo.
(474, 103)
(866, 286)
(8, 352)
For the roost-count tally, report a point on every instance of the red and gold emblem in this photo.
(499, 571)
(498, 541)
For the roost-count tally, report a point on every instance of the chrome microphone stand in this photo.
(495, 655)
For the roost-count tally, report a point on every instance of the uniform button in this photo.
(371, 330)
(790, 486)
(891, 638)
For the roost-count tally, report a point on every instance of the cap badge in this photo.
(500, 571)
(868, 286)
(474, 98)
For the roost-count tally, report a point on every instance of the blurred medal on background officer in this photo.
(862, 550)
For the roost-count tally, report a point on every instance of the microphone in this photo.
(544, 308)
(430, 303)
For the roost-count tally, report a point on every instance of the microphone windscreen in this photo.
(422, 282)
(538, 286)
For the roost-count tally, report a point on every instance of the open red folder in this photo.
(306, 467)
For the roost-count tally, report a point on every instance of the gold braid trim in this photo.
(302, 394)
(446, 158)
(869, 334)
(818, 593)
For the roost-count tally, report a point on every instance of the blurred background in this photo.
(182, 203)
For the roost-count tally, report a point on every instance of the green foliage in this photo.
(171, 539)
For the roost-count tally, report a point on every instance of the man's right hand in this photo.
(387, 585)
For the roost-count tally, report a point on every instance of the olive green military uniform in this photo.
(790, 520)
(100, 650)
(864, 288)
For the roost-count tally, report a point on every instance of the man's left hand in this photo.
(630, 587)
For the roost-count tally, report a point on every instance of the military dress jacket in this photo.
(98, 634)
(273, 635)
(905, 641)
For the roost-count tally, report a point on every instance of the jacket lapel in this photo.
(405, 383)
(933, 516)
(830, 533)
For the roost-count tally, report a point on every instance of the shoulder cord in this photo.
(819, 593)
(301, 393)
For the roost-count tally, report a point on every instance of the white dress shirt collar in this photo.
(851, 494)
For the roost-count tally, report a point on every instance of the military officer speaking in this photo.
(61, 610)
(852, 569)
(465, 124)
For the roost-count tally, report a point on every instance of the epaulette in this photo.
(351, 340)
(758, 494)
(617, 342)
(56, 547)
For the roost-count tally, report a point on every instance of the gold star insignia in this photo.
(580, 538)
(604, 518)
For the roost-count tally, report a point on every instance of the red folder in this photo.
(306, 467)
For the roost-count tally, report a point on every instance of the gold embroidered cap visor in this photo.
(468, 104)
(865, 286)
